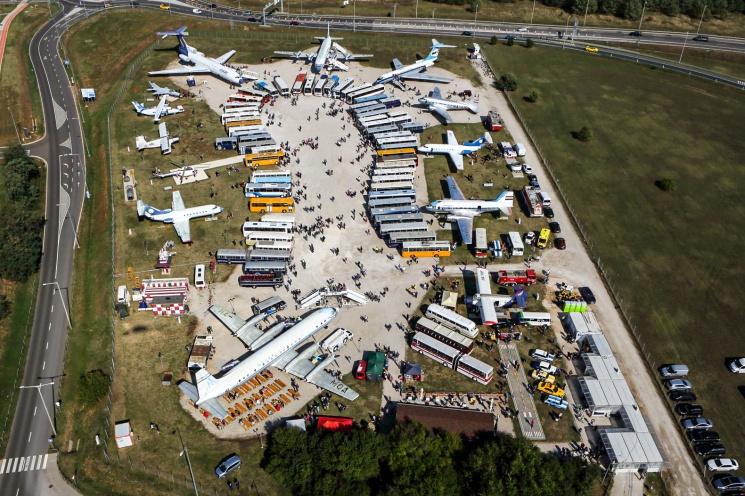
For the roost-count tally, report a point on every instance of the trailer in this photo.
(533, 201)
(297, 86)
(513, 277)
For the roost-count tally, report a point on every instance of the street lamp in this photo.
(261, 440)
(69, 322)
(640, 21)
(416, 10)
(44, 403)
(702, 18)
(587, 7)
(683, 49)
(532, 13)
(14, 125)
(354, 16)
(188, 461)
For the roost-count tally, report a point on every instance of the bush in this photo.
(510, 41)
(93, 387)
(507, 82)
(532, 98)
(584, 135)
(529, 43)
(665, 184)
(494, 40)
(4, 306)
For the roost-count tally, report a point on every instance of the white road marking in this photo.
(29, 437)
(43, 365)
(2, 466)
(47, 345)
(35, 410)
(50, 326)
(52, 310)
(45, 461)
(13, 468)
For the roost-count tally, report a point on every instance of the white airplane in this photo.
(328, 54)
(178, 214)
(161, 90)
(417, 70)
(455, 151)
(278, 352)
(437, 104)
(161, 110)
(183, 172)
(462, 211)
(163, 142)
(200, 64)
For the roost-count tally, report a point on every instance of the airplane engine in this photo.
(184, 58)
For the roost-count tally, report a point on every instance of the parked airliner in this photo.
(455, 151)
(178, 215)
(438, 105)
(328, 54)
(161, 110)
(417, 70)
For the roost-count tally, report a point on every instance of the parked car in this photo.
(689, 409)
(701, 37)
(677, 370)
(560, 243)
(722, 465)
(515, 166)
(548, 212)
(229, 464)
(587, 294)
(683, 396)
(294, 23)
(130, 193)
(698, 423)
(738, 366)
(710, 449)
(555, 227)
(529, 238)
(523, 30)
(728, 482)
(527, 169)
(635, 33)
(704, 436)
(543, 376)
(550, 388)
(543, 355)
(544, 367)
(678, 385)
(533, 180)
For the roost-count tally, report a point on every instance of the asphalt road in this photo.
(62, 149)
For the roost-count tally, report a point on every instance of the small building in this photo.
(579, 324)
(456, 420)
(151, 288)
(167, 306)
(123, 434)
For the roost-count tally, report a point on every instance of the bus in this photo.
(399, 209)
(450, 357)
(445, 335)
(263, 159)
(297, 86)
(262, 205)
(543, 238)
(268, 190)
(235, 131)
(257, 255)
(281, 86)
(271, 305)
(398, 143)
(387, 229)
(390, 202)
(353, 97)
(398, 239)
(451, 319)
(330, 84)
(393, 171)
(515, 244)
(480, 245)
(318, 86)
(264, 267)
(371, 98)
(274, 245)
(308, 87)
(271, 176)
(393, 134)
(423, 249)
(230, 256)
(358, 107)
(284, 218)
(400, 193)
(378, 128)
(394, 186)
(260, 280)
(392, 157)
(247, 114)
(346, 92)
(475, 369)
(336, 90)
(381, 220)
(534, 319)
(381, 167)
(253, 237)
(397, 151)
(400, 120)
(267, 226)
(391, 102)
(392, 178)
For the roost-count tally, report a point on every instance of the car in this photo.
(698, 423)
(678, 385)
(523, 30)
(701, 37)
(107, 6)
(548, 212)
(165, 7)
(635, 33)
(544, 367)
(527, 169)
(533, 180)
(196, 11)
(543, 376)
(722, 465)
(543, 355)
(728, 482)
(529, 238)
(591, 49)
(738, 366)
(560, 243)
(229, 464)
(704, 436)
(676, 370)
(555, 227)
(213, 5)
(683, 396)
(550, 388)
(689, 409)
(360, 373)
(515, 166)
(247, 13)
(587, 294)
(710, 449)
(467, 33)
(130, 193)
(294, 23)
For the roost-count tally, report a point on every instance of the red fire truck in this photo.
(493, 121)
(512, 277)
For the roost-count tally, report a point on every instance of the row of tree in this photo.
(21, 221)
(413, 460)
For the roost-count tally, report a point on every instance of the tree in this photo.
(532, 98)
(93, 387)
(494, 40)
(510, 41)
(529, 43)
(632, 9)
(584, 135)
(4, 306)
(665, 184)
(507, 82)
(474, 5)
(579, 6)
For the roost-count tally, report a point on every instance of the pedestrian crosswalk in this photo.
(23, 464)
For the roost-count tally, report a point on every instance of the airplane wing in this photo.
(465, 226)
(181, 72)
(159, 109)
(422, 75)
(247, 334)
(225, 57)
(454, 190)
(326, 381)
(297, 55)
(440, 110)
(452, 140)
(359, 56)
(299, 365)
(397, 64)
(338, 65)
(183, 230)
(436, 93)
(457, 160)
(177, 203)
(211, 406)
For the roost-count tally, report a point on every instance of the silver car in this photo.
(697, 424)
(233, 462)
(722, 465)
(678, 385)
(677, 370)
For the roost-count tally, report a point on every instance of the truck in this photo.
(200, 352)
(513, 277)
(533, 202)
(493, 121)
(336, 340)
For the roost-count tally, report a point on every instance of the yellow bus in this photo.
(263, 158)
(396, 151)
(263, 205)
(420, 249)
(543, 238)
(250, 122)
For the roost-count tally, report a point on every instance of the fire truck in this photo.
(493, 121)
(512, 277)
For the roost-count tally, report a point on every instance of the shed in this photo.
(579, 324)
(631, 451)
(123, 434)
(595, 344)
(413, 372)
(375, 366)
(88, 94)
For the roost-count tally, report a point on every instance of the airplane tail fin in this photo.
(473, 106)
(505, 202)
(436, 45)
(488, 139)
(138, 106)
(204, 382)
(141, 208)
(179, 34)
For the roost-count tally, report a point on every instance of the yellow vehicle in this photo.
(165, 7)
(263, 159)
(421, 249)
(549, 388)
(542, 375)
(397, 151)
(591, 49)
(543, 238)
(263, 205)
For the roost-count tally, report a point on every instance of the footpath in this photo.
(5, 27)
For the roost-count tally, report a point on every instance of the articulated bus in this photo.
(398, 239)
(271, 176)
(388, 186)
(397, 151)
(262, 205)
(254, 237)
(387, 229)
(445, 335)
(451, 319)
(265, 267)
(392, 178)
(260, 279)
(480, 246)
(535, 319)
(268, 190)
(383, 195)
(230, 256)
(380, 220)
(398, 209)
(267, 226)
(424, 249)
(450, 357)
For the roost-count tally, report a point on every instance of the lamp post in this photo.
(640, 21)
(702, 18)
(188, 461)
(683, 49)
(44, 403)
(565, 34)
(67, 314)
(261, 434)
(14, 125)
(354, 16)
(587, 7)
(416, 10)
(532, 13)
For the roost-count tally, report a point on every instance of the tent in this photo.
(412, 372)
(123, 434)
(520, 299)
(375, 366)
(449, 299)
(335, 424)
(296, 424)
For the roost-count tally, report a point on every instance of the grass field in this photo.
(650, 124)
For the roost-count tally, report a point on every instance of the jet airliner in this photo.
(178, 214)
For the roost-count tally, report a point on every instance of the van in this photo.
(676, 370)
(336, 340)
(199, 281)
(229, 464)
(122, 295)
(520, 149)
(545, 199)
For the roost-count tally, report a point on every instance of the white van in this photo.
(520, 149)
(199, 280)
(336, 340)
(545, 199)
(122, 295)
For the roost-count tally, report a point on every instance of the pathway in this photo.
(530, 423)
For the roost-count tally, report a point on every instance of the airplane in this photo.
(417, 70)
(178, 215)
(163, 142)
(278, 351)
(157, 112)
(437, 104)
(462, 211)
(161, 90)
(183, 172)
(455, 151)
(200, 64)
(328, 54)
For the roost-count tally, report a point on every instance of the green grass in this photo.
(650, 124)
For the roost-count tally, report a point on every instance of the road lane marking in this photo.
(35, 410)
(29, 437)
(52, 310)
(2, 466)
(43, 365)
(50, 326)
(15, 462)
(47, 345)
(45, 461)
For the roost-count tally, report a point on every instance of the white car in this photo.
(515, 166)
(722, 465)
(523, 30)
(529, 238)
(527, 169)
(196, 11)
(738, 366)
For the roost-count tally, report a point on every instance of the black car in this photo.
(555, 227)
(533, 180)
(635, 33)
(689, 409)
(701, 37)
(704, 436)
(560, 243)
(710, 449)
(683, 396)
(467, 33)
(548, 212)
(587, 294)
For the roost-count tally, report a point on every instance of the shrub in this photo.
(532, 98)
(665, 184)
(529, 43)
(510, 41)
(507, 82)
(494, 40)
(4, 306)
(584, 135)
(93, 387)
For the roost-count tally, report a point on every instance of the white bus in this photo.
(336, 90)
(445, 335)
(365, 92)
(281, 86)
(450, 357)
(380, 220)
(265, 267)
(397, 143)
(390, 202)
(358, 107)
(266, 226)
(318, 87)
(199, 280)
(452, 319)
(308, 87)
(475, 369)
(236, 130)
(253, 237)
(274, 245)
(271, 176)
(535, 319)
(268, 190)
(515, 244)
(390, 178)
(282, 218)
(399, 209)
(387, 194)
(391, 186)
(393, 171)
(481, 245)
(397, 239)
(387, 229)
(330, 84)
(261, 255)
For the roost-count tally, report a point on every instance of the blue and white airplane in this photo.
(438, 105)
(458, 209)
(455, 151)
(200, 64)
(178, 215)
(417, 70)
(161, 90)
(328, 54)
(157, 112)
